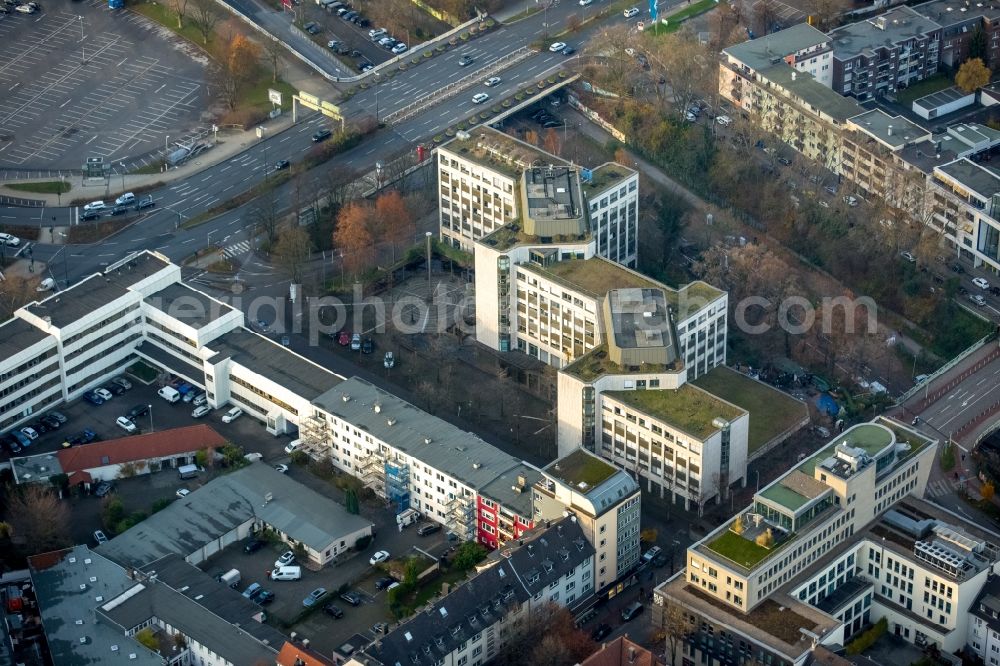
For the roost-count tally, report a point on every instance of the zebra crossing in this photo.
(940, 488)
(236, 249)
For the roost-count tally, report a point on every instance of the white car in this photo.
(631, 11)
(380, 556)
(182, 493)
(981, 283)
(399, 48)
(908, 256)
(850, 200)
(557, 47)
(283, 468)
(232, 415)
(200, 411)
(125, 199)
(94, 206)
(584, 3)
(285, 560)
(125, 424)
(104, 393)
(376, 33)
(7, 239)
(30, 433)
(492, 81)
(389, 360)
(25, 9)
(725, 121)
(293, 445)
(479, 98)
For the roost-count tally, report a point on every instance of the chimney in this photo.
(631, 655)
(890, 130)
(521, 481)
(794, 74)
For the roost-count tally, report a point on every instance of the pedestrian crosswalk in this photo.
(939, 488)
(236, 249)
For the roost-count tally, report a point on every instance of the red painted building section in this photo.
(496, 524)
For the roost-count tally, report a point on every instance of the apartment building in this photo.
(984, 623)
(603, 500)
(872, 158)
(837, 542)
(960, 20)
(964, 204)
(488, 179)
(470, 625)
(878, 56)
(685, 443)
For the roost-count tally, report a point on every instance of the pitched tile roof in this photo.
(622, 652)
(296, 655)
(160, 444)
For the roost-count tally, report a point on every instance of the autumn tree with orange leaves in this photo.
(353, 236)
(237, 67)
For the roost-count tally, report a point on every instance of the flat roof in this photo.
(551, 193)
(581, 467)
(813, 93)
(927, 155)
(594, 276)
(67, 584)
(228, 501)
(899, 24)
(190, 306)
(687, 408)
(429, 439)
(939, 98)
(949, 12)
(499, 151)
(894, 131)
(794, 491)
(17, 335)
(979, 178)
(68, 306)
(869, 437)
(605, 176)
(275, 362)
(597, 363)
(639, 319)
(760, 53)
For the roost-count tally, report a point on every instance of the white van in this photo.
(292, 445)
(187, 471)
(125, 199)
(231, 578)
(169, 394)
(286, 573)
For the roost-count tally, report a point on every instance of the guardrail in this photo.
(456, 87)
(925, 385)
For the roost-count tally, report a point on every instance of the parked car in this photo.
(428, 528)
(125, 424)
(631, 611)
(116, 389)
(182, 493)
(284, 560)
(103, 489)
(263, 597)
(200, 411)
(379, 557)
(367, 346)
(556, 47)
(314, 596)
(232, 415)
(356, 342)
(12, 241)
(344, 338)
(600, 632)
(333, 611)
(631, 11)
(399, 48)
(978, 300)
(100, 537)
(94, 206)
(103, 393)
(389, 360)
(384, 582)
(850, 200)
(200, 399)
(352, 598)
(145, 202)
(283, 468)
(137, 411)
(52, 422)
(121, 381)
(293, 445)
(981, 283)
(252, 545)
(84, 437)
(376, 33)
(30, 433)
(58, 416)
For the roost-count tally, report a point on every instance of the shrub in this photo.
(362, 543)
(161, 504)
(438, 138)
(464, 36)
(300, 458)
(867, 638)
(468, 555)
(428, 53)
(246, 117)
(519, 96)
(505, 104)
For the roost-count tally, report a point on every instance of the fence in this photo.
(925, 386)
(596, 118)
(778, 439)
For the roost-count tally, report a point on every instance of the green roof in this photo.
(740, 551)
(596, 363)
(595, 276)
(512, 234)
(581, 466)
(687, 408)
(785, 497)
(606, 175)
(772, 412)
(869, 437)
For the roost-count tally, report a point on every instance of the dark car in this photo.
(631, 611)
(551, 123)
(40, 426)
(52, 421)
(466, 60)
(145, 202)
(659, 560)
(352, 598)
(356, 53)
(383, 583)
(429, 528)
(137, 411)
(119, 210)
(58, 416)
(957, 268)
(103, 488)
(116, 389)
(363, 22)
(365, 66)
(264, 597)
(13, 445)
(252, 546)
(367, 346)
(334, 611)
(90, 215)
(321, 135)
(93, 398)
(281, 164)
(600, 632)
(85, 437)
(569, 50)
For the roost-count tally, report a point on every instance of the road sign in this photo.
(274, 96)
(309, 99)
(94, 168)
(332, 108)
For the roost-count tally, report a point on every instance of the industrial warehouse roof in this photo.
(223, 504)
(188, 305)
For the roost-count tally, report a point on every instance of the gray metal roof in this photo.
(950, 12)
(887, 30)
(604, 491)
(516, 575)
(69, 585)
(435, 442)
(896, 131)
(16, 335)
(812, 92)
(29, 469)
(227, 502)
(983, 180)
(762, 52)
(640, 320)
(65, 307)
(940, 98)
(188, 305)
(160, 601)
(269, 359)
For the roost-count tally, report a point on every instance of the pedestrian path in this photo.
(236, 249)
(939, 488)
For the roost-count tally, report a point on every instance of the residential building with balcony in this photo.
(959, 21)
(872, 158)
(488, 179)
(604, 500)
(876, 57)
(964, 205)
(836, 543)
(984, 623)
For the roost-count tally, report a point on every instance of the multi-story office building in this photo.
(605, 502)
(488, 179)
(878, 56)
(469, 626)
(959, 21)
(836, 543)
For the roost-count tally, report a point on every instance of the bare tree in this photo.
(615, 68)
(265, 216)
(274, 50)
(38, 519)
(765, 16)
(180, 8)
(292, 250)
(687, 66)
(15, 291)
(675, 628)
(206, 17)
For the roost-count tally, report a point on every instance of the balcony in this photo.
(315, 432)
(372, 472)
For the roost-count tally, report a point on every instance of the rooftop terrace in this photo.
(687, 408)
(581, 467)
(593, 276)
(596, 363)
(869, 437)
(513, 234)
(605, 176)
(501, 152)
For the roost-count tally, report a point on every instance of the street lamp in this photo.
(121, 165)
(376, 97)
(150, 418)
(428, 236)
(208, 244)
(83, 49)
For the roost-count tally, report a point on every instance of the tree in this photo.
(15, 291)
(548, 637)
(688, 67)
(38, 519)
(552, 143)
(825, 13)
(206, 17)
(468, 555)
(237, 67)
(292, 250)
(765, 15)
(351, 501)
(648, 535)
(987, 491)
(353, 236)
(675, 628)
(977, 44)
(737, 526)
(410, 571)
(274, 49)
(180, 8)
(392, 219)
(264, 215)
(972, 75)
(614, 69)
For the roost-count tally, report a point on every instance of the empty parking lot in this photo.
(91, 82)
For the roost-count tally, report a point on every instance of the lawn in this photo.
(580, 467)
(771, 411)
(47, 187)
(674, 21)
(739, 550)
(687, 408)
(142, 372)
(925, 87)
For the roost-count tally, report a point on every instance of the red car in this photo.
(344, 338)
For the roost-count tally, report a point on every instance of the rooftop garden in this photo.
(745, 544)
(581, 466)
(605, 175)
(687, 408)
(595, 276)
(596, 363)
(771, 411)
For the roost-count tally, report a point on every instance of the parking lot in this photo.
(92, 82)
(352, 37)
